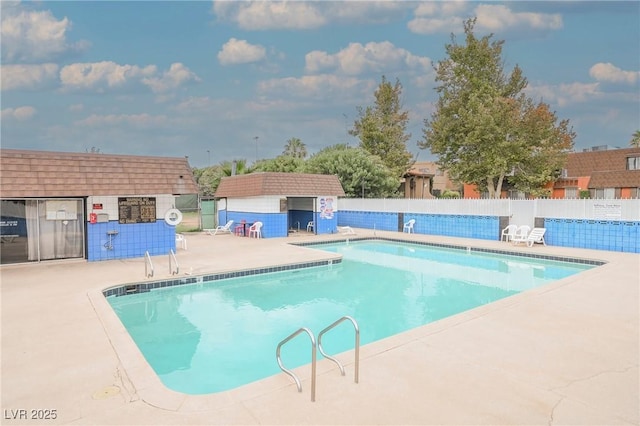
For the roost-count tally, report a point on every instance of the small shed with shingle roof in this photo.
(92, 205)
(283, 202)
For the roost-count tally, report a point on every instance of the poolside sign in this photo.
(136, 210)
(326, 208)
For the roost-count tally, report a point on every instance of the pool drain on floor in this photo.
(107, 392)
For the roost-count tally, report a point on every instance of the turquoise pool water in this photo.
(212, 337)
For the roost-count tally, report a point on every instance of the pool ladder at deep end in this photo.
(319, 348)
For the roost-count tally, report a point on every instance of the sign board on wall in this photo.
(136, 210)
(327, 207)
(607, 210)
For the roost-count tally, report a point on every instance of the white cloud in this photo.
(315, 86)
(146, 121)
(265, 15)
(34, 36)
(612, 74)
(301, 15)
(492, 17)
(565, 94)
(100, 76)
(21, 113)
(176, 76)
(357, 58)
(27, 76)
(240, 52)
(443, 17)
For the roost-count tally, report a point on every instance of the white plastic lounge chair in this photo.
(408, 227)
(346, 230)
(255, 230)
(536, 236)
(508, 233)
(220, 229)
(182, 240)
(521, 234)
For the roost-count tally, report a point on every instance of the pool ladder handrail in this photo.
(319, 346)
(313, 360)
(356, 345)
(172, 260)
(148, 265)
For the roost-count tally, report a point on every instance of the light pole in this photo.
(255, 138)
(208, 158)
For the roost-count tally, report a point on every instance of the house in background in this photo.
(426, 180)
(57, 205)
(283, 202)
(605, 173)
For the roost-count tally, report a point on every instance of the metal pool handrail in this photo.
(172, 260)
(148, 265)
(313, 361)
(357, 345)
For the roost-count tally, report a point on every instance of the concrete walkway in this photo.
(565, 353)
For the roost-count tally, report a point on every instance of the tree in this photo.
(382, 128)
(209, 178)
(484, 129)
(635, 139)
(295, 148)
(360, 173)
(282, 163)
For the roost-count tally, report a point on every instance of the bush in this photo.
(450, 194)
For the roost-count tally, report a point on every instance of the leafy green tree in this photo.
(282, 163)
(635, 139)
(484, 128)
(382, 128)
(295, 148)
(544, 145)
(209, 178)
(360, 173)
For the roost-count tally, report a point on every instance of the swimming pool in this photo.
(210, 337)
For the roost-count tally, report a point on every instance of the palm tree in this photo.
(295, 148)
(635, 140)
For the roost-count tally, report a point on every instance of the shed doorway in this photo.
(300, 214)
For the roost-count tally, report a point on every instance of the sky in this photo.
(217, 81)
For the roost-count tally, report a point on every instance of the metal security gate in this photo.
(208, 213)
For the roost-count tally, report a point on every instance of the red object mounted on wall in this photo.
(93, 218)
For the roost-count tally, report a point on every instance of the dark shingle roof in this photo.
(284, 184)
(607, 169)
(61, 174)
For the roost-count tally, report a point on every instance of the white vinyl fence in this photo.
(521, 211)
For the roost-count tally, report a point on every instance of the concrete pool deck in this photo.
(564, 353)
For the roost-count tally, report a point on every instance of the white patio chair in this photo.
(255, 230)
(181, 240)
(220, 229)
(310, 226)
(408, 227)
(536, 236)
(508, 233)
(346, 230)
(521, 234)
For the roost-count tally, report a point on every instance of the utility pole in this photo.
(256, 139)
(208, 158)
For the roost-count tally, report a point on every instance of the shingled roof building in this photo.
(57, 205)
(607, 174)
(283, 202)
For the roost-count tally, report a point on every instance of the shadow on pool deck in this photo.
(564, 353)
